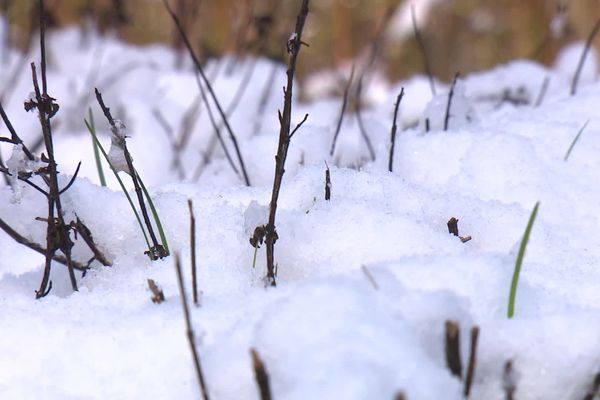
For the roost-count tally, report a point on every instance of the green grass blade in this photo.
(520, 256)
(574, 142)
(161, 232)
(137, 216)
(254, 258)
(92, 128)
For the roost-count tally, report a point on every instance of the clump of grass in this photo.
(519, 262)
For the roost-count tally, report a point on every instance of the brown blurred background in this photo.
(459, 35)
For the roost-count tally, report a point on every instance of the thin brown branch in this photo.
(342, 112)
(299, 125)
(449, 104)
(293, 47)
(17, 237)
(193, 251)
(200, 70)
(394, 129)
(327, 182)
(472, 361)
(586, 50)
(421, 43)
(261, 376)
(157, 294)
(189, 330)
(453, 360)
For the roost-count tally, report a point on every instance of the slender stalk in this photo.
(449, 104)
(394, 129)
(210, 90)
(193, 251)
(515, 279)
(92, 128)
(293, 46)
(422, 48)
(342, 113)
(189, 330)
(586, 50)
(574, 142)
(472, 361)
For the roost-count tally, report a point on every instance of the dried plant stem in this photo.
(188, 329)
(586, 50)
(342, 112)
(293, 46)
(361, 125)
(261, 376)
(472, 361)
(200, 70)
(157, 250)
(453, 359)
(449, 104)
(574, 142)
(422, 48)
(193, 251)
(394, 129)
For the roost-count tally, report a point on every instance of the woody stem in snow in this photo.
(293, 47)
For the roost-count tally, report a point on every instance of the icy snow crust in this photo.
(326, 331)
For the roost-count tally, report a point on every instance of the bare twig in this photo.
(189, 331)
(369, 276)
(361, 125)
(327, 182)
(38, 248)
(453, 360)
(394, 129)
(542, 93)
(422, 48)
(342, 112)
(509, 381)
(450, 94)
(193, 251)
(261, 376)
(157, 294)
(574, 142)
(472, 361)
(200, 70)
(293, 47)
(586, 49)
(594, 390)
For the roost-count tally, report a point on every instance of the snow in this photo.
(326, 331)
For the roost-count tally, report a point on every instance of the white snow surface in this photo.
(327, 330)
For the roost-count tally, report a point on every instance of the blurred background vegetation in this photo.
(459, 35)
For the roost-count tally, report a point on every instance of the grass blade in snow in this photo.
(574, 142)
(161, 232)
(520, 256)
(137, 216)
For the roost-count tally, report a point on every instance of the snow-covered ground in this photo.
(366, 281)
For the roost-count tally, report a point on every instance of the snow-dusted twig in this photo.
(394, 129)
(189, 330)
(586, 49)
(118, 138)
(293, 47)
(261, 376)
